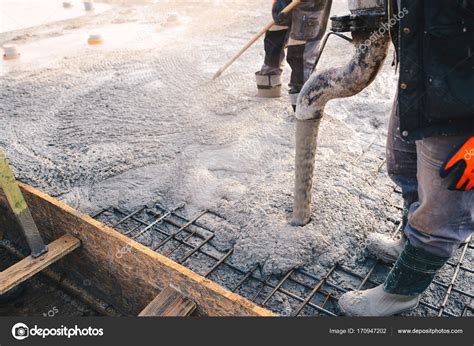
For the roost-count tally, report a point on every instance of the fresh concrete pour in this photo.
(138, 119)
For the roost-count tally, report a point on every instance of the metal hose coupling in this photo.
(371, 45)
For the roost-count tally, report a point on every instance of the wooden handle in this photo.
(267, 27)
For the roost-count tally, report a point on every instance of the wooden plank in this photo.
(169, 303)
(29, 266)
(70, 287)
(120, 271)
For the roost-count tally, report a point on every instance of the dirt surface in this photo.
(138, 119)
(20, 14)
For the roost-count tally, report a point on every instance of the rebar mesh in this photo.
(299, 292)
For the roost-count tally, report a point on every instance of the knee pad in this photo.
(295, 59)
(274, 47)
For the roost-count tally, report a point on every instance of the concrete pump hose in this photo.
(319, 89)
(306, 145)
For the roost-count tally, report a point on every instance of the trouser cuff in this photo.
(274, 47)
(294, 98)
(296, 61)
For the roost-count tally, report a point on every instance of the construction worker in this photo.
(301, 31)
(430, 152)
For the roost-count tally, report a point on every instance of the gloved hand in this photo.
(461, 165)
(281, 18)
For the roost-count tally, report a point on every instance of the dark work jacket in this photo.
(435, 43)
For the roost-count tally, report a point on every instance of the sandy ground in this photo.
(21, 14)
(138, 119)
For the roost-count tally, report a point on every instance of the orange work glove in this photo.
(461, 166)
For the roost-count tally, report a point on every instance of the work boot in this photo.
(268, 85)
(410, 277)
(294, 92)
(384, 247)
(376, 302)
(294, 99)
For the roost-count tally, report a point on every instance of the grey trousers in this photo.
(303, 37)
(439, 220)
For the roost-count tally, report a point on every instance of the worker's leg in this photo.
(274, 43)
(401, 160)
(411, 275)
(269, 77)
(402, 169)
(442, 219)
(295, 60)
(437, 225)
(309, 22)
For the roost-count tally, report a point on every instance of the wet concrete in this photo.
(138, 119)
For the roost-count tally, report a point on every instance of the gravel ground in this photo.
(139, 119)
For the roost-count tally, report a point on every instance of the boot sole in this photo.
(398, 313)
(271, 93)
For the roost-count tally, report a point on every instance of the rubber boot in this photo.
(295, 59)
(410, 277)
(384, 247)
(268, 85)
(294, 99)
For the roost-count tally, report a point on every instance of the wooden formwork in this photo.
(115, 269)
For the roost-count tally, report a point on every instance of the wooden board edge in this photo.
(165, 300)
(208, 284)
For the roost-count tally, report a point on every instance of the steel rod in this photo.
(181, 243)
(277, 287)
(222, 260)
(157, 221)
(171, 218)
(128, 217)
(192, 252)
(179, 231)
(262, 286)
(453, 280)
(314, 291)
(246, 276)
(179, 216)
